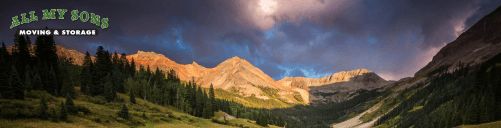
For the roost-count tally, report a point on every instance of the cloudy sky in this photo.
(311, 38)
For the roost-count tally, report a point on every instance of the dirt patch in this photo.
(353, 122)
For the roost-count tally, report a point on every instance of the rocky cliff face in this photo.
(339, 86)
(476, 45)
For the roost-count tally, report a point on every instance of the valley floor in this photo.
(355, 121)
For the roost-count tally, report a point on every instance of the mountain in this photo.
(445, 87)
(232, 74)
(476, 45)
(240, 75)
(338, 86)
(302, 82)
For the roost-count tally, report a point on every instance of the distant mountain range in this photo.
(238, 74)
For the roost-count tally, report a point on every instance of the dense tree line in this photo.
(36, 67)
(28, 68)
(323, 115)
(453, 98)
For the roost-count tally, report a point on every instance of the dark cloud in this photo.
(394, 38)
(296, 73)
(272, 70)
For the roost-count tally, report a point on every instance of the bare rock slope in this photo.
(476, 45)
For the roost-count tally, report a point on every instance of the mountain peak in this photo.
(235, 58)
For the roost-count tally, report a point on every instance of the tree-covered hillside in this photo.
(35, 81)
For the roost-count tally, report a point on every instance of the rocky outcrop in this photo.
(339, 86)
(302, 82)
(474, 46)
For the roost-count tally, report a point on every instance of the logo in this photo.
(84, 16)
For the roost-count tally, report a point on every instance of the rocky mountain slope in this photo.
(232, 74)
(476, 45)
(338, 86)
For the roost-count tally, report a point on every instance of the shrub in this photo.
(19, 104)
(5, 101)
(171, 115)
(166, 119)
(35, 94)
(85, 110)
(97, 119)
(144, 115)
(132, 98)
(81, 114)
(24, 113)
(8, 113)
(155, 108)
(219, 121)
(246, 126)
(96, 100)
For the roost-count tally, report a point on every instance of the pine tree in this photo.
(45, 50)
(5, 88)
(109, 94)
(471, 116)
(238, 113)
(487, 114)
(86, 75)
(67, 85)
(124, 63)
(124, 112)
(213, 99)
(22, 53)
(54, 116)
(15, 83)
(70, 106)
(132, 69)
(118, 80)
(132, 97)
(208, 113)
(42, 108)
(36, 82)
(4, 52)
(28, 80)
(52, 82)
(498, 113)
(63, 112)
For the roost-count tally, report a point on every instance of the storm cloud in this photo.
(393, 38)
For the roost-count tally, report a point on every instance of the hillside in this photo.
(457, 88)
(103, 114)
(474, 46)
